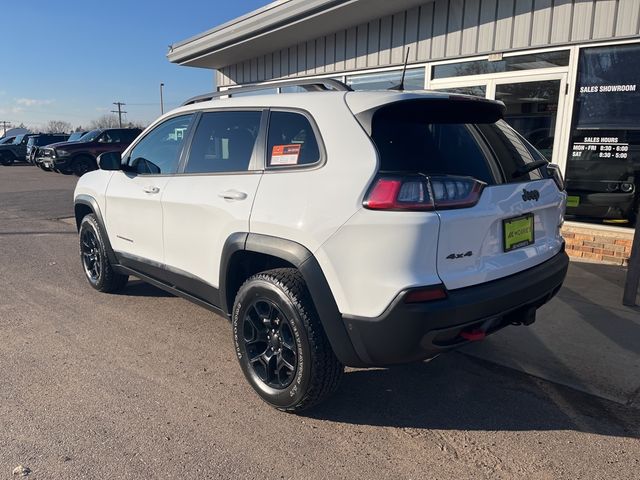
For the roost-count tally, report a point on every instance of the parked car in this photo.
(40, 140)
(80, 157)
(15, 151)
(36, 155)
(332, 228)
(5, 140)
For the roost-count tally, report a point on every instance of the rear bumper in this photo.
(412, 332)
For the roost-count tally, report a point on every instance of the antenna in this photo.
(400, 87)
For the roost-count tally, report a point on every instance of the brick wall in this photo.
(598, 245)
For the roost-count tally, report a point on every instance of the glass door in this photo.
(535, 109)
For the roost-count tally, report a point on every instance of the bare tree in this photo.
(136, 124)
(57, 126)
(105, 121)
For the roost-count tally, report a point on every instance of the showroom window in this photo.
(603, 167)
(507, 64)
(414, 80)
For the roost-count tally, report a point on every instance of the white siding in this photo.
(441, 29)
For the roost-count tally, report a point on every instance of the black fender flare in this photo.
(321, 295)
(91, 202)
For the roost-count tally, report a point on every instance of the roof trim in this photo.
(277, 25)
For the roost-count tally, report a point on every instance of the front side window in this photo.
(292, 141)
(159, 151)
(224, 142)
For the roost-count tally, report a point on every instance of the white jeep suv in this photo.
(331, 227)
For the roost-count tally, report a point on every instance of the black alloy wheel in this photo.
(269, 343)
(95, 259)
(280, 343)
(91, 255)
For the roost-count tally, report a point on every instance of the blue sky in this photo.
(70, 60)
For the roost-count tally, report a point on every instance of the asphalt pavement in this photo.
(142, 384)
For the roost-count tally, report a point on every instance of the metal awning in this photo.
(278, 25)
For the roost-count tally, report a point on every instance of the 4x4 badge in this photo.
(453, 256)
(530, 195)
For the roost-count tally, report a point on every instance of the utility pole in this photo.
(161, 99)
(5, 126)
(119, 111)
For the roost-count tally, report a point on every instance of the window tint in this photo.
(292, 140)
(110, 136)
(224, 142)
(410, 145)
(512, 151)
(129, 135)
(159, 151)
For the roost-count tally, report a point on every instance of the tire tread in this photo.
(326, 369)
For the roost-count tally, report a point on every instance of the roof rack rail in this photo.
(309, 84)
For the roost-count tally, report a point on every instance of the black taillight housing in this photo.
(554, 172)
(422, 193)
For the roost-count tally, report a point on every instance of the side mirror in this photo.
(110, 161)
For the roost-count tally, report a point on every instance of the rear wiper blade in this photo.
(529, 167)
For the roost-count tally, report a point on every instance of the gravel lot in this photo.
(145, 385)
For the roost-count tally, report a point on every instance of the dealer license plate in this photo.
(518, 232)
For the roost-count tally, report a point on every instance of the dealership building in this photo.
(568, 72)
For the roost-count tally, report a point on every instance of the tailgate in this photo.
(471, 245)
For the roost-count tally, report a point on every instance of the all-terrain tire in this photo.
(95, 259)
(317, 371)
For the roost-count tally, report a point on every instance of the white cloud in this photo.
(31, 102)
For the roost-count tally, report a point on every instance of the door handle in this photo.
(232, 195)
(151, 189)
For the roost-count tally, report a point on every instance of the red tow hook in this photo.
(473, 335)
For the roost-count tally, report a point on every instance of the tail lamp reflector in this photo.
(426, 294)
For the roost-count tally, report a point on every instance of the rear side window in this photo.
(224, 142)
(410, 145)
(292, 141)
(512, 151)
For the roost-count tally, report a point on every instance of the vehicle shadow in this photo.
(138, 288)
(456, 392)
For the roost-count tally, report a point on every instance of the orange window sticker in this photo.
(285, 154)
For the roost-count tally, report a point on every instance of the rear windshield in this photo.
(436, 138)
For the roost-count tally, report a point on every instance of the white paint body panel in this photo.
(376, 255)
(134, 217)
(94, 184)
(479, 230)
(308, 206)
(197, 221)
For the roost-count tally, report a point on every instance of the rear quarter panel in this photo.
(309, 205)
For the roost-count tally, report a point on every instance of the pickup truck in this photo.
(80, 157)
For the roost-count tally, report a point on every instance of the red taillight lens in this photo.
(399, 193)
(426, 294)
(419, 193)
